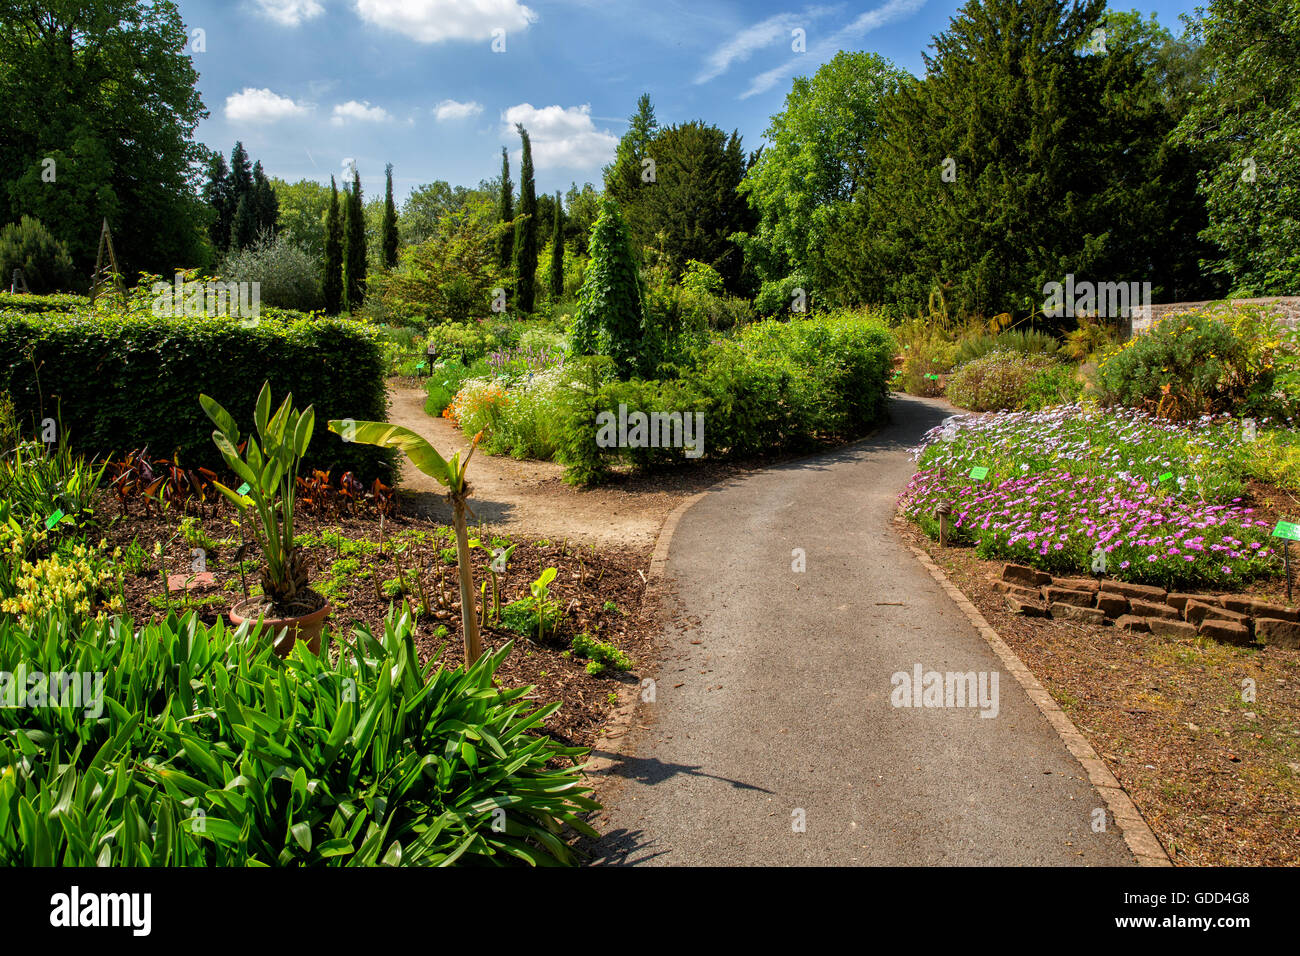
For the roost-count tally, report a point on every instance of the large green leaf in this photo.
(422, 455)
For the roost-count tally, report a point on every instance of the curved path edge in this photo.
(1137, 832)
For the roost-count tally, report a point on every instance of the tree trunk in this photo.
(468, 610)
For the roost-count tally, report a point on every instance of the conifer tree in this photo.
(333, 282)
(609, 319)
(390, 220)
(526, 234)
(506, 211)
(354, 248)
(557, 252)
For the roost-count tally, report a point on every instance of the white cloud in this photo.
(432, 21)
(352, 110)
(261, 106)
(563, 138)
(745, 43)
(451, 110)
(289, 13)
(844, 38)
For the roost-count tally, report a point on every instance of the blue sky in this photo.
(307, 84)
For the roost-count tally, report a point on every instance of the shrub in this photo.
(208, 750)
(923, 363)
(999, 381)
(776, 386)
(129, 381)
(1058, 384)
(477, 406)
(47, 266)
(610, 319)
(445, 380)
(529, 425)
(1023, 341)
(289, 276)
(777, 297)
(1090, 337)
(41, 304)
(1189, 364)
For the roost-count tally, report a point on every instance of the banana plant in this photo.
(269, 470)
(449, 474)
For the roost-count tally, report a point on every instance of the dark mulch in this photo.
(1217, 777)
(600, 592)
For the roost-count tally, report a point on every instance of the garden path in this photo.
(774, 704)
(530, 497)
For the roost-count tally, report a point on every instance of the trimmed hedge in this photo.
(125, 382)
(774, 387)
(39, 304)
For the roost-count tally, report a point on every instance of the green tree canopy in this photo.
(1247, 121)
(693, 208)
(815, 161)
(106, 90)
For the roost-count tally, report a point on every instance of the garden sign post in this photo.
(1288, 532)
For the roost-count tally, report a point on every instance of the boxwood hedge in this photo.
(120, 382)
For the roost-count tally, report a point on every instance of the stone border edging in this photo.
(1137, 833)
(629, 694)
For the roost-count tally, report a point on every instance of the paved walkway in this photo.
(776, 707)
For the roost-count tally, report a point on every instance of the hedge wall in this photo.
(125, 382)
(775, 387)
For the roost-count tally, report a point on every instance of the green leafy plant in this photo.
(600, 655)
(269, 470)
(535, 613)
(449, 474)
(200, 748)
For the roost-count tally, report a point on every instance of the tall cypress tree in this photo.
(506, 210)
(526, 234)
(390, 220)
(333, 284)
(354, 248)
(557, 251)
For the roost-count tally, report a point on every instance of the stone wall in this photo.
(1287, 308)
(1241, 619)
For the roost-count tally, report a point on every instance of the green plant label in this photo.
(420, 367)
(979, 474)
(1288, 530)
(53, 519)
(931, 375)
(1165, 477)
(243, 489)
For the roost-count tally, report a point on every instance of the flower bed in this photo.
(1163, 503)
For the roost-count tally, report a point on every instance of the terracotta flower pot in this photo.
(306, 628)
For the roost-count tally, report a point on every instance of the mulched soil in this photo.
(599, 590)
(1217, 777)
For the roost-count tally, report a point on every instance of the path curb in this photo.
(629, 694)
(1137, 833)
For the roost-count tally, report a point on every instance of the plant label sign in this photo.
(1287, 530)
(1098, 561)
(979, 473)
(1165, 477)
(1248, 429)
(54, 519)
(243, 489)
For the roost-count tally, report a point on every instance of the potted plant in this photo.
(269, 470)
